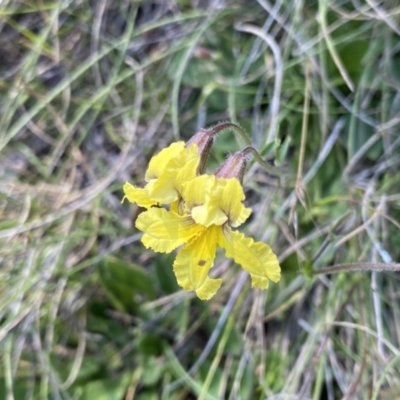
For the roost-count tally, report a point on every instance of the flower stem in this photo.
(245, 139)
(353, 267)
(269, 168)
(225, 126)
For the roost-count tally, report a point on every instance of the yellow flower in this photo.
(165, 176)
(211, 207)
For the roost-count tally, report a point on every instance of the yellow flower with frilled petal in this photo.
(165, 176)
(212, 206)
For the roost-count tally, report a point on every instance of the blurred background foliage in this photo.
(91, 90)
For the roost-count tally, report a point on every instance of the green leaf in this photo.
(125, 283)
(164, 273)
(107, 389)
(270, 147)
(152, 369)
(21, 388)
(150, 345)
(282, 151)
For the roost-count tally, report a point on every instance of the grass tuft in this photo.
(89, 91)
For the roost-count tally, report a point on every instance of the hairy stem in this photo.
(355, 267)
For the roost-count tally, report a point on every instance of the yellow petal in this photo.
(196, 190)
(138, 195)
(208, 215)
(202, 201)
(176, 173)
(230, 200)
(165, 230)
(175, 207)
(193, 263)
(188, 171)
(159, 162)
(214, 201)
(163, 190)
(255, 257)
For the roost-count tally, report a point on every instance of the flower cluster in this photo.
(202, 210)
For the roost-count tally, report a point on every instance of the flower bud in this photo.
(233, 167)
(204, 139)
